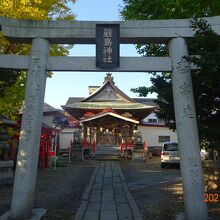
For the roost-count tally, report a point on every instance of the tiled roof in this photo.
(72, 100)
(146, 101)
(113, 105)
(110, 83)
(103, 114)
(6, 121)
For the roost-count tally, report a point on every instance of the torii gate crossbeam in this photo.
(83, 32)
(74, 64)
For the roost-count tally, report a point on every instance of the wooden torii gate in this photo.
(43, 33)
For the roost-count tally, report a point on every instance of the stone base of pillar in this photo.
(77, 154)
(139, 155)
(182, 216)
(37, 215)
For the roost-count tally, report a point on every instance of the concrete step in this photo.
(107, 152)
(106, 157)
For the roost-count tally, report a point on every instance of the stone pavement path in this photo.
(107, 196)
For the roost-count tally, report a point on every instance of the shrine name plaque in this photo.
(107, 46)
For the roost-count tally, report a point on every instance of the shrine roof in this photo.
(47, 108)
(146, 101)
(72, 100)
(44, 125)
(108, 83)
(103, 105)
(108, 96)
(104, 114)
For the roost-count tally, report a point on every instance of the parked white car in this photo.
(169, 154)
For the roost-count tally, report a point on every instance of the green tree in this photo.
(12, 83)
(207, 80)
(206, 43)
(11, 99)
(166, 9)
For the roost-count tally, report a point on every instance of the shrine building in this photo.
(108, 116)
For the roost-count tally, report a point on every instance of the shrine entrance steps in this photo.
(107, 152)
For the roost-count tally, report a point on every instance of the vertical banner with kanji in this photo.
(107, 45)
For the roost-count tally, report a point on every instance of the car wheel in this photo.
(162, 165)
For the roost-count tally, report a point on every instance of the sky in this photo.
(63, 85)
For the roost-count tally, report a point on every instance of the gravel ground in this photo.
(157, 191)
(58, 191)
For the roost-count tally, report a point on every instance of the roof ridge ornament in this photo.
(109, 77)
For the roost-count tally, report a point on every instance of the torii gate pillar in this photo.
(187, 132)
(27, 160)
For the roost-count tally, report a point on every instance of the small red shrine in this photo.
(54, 121)
(48, 144)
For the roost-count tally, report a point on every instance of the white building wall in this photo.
(66, 135)
(151, 134)
(150, 116)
